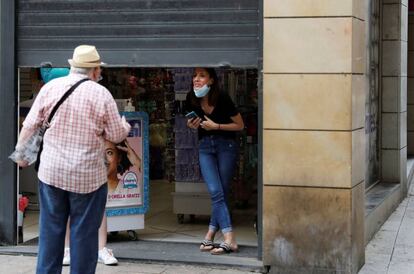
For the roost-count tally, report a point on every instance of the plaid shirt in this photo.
(73, 146)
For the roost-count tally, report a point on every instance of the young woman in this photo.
(217, 121)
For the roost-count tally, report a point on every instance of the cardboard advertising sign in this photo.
(128, 165)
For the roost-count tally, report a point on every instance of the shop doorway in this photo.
(179, 205)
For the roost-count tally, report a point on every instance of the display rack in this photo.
(190, 196)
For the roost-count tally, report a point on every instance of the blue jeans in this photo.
(217, 157)
(86, 212)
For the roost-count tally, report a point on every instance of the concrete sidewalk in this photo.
(391, 250)
(27, 264)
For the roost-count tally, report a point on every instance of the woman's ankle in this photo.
(230, 238)
(210, 235)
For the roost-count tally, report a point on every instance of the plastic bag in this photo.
(29, 150)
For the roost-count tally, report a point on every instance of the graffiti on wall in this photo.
(372, 111)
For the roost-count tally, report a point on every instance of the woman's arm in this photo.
(236, 125)
(132, 155)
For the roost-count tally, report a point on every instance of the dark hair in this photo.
(212, 94)
(124, 163)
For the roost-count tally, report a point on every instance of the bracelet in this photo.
(218, 127)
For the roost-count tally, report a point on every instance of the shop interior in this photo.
(179, 205)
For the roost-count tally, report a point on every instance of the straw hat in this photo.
(85, 56)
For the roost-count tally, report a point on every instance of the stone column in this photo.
(410, 89)
(313, 137)
(394, 92)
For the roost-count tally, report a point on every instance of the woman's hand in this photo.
(194, 123)
(132, 156)
(208, 124)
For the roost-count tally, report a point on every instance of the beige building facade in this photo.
(334, 129)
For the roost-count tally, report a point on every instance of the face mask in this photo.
(201, 92)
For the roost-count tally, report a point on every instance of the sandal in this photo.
(224, 248)
(206, 245)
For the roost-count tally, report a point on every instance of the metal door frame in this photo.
(8, 110)
(8, 203)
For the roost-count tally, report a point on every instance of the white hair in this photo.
(83, 71)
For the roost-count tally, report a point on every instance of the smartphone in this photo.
(191, 115)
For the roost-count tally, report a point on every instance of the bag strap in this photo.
(66, 95)
(55, 108)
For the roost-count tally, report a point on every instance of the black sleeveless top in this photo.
(222, 113)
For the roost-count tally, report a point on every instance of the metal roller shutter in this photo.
(144, 33)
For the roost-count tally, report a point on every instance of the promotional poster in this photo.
(126, 164)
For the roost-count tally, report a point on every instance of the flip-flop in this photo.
(224, 248)
(206, 245)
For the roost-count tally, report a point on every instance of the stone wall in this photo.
(394, 92)
(313, 120)
(410, 89)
